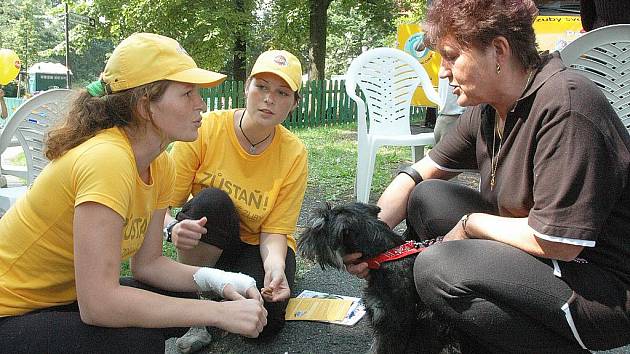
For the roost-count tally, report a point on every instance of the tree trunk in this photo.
(238, 61)
(317, 35)
(240, 47)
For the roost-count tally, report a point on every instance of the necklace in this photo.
(494, 161)
(252, 148)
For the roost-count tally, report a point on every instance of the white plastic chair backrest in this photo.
(388, 78)
(443, 90)
(603, 55)
(29, 125)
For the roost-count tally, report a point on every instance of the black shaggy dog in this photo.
(401, 322)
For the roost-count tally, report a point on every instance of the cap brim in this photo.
(201, 77)
(282, 75)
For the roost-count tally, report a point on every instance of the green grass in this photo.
(332, 160)
(332, 163)
(19, 159)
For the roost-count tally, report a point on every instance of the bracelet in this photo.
(411, 172)
(464, 220)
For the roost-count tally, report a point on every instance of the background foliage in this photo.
(223, 35)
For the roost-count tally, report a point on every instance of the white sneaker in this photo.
(195, 339)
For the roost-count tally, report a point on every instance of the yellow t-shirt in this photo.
(36, 243)
(267, 189)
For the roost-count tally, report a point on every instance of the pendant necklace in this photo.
(494, 161)
(252, 148)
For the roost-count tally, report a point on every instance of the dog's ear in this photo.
(368, 208)
(319, 217)
(319, 240)
(316, 227)
(317, 222)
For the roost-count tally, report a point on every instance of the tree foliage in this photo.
(27, 28)
(351, 26)
(207, 29)
(220, 35)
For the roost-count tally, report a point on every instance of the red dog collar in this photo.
(402, 251)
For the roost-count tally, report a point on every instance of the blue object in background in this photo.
(415, 46)
(13, 104)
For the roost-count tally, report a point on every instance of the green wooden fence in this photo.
(322, 103)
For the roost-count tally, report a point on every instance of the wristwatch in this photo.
(168, 230)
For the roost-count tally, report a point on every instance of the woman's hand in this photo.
(246, 317)
(359, 269)
(187, 233)
(229, 293)
(273, 252)
(276, 286)
(456, 233)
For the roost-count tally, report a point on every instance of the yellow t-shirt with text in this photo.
(267, 189)
(36, 241)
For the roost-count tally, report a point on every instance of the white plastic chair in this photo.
(28, 125)
(387, 77)
(603, 55)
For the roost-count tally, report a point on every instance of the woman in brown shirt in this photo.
(536, 260)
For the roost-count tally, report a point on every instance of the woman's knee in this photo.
(427, 271)
(435, 206)
(417, 198)
(430, 207)
(212, 203)
(223, 223)
(442, 268)
(275, 319)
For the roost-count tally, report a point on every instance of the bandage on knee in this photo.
(215, 280)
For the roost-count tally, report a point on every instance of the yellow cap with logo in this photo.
(143, 58)
(281, 63)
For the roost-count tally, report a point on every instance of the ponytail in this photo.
(89, 115)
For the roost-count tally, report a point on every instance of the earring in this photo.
(498, 69)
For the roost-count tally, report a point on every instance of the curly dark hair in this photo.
(475, 23)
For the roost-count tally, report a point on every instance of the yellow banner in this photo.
(552, 33)
(410, 39)
(555, 32)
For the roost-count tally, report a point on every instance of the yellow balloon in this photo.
(9, 66)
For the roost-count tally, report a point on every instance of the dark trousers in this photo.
(223, 232)
(60, 330)
(503, 299)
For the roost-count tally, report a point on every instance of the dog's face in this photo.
(334, 232)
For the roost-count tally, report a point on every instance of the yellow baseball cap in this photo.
(281, 63)
(143, 58)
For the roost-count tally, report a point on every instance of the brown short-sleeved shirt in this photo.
(563, 163)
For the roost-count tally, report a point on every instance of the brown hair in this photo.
(475, 23)
(88, 115)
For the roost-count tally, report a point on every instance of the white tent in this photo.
(48, 68)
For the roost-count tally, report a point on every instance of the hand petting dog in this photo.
(352, 236)
(356, 267)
